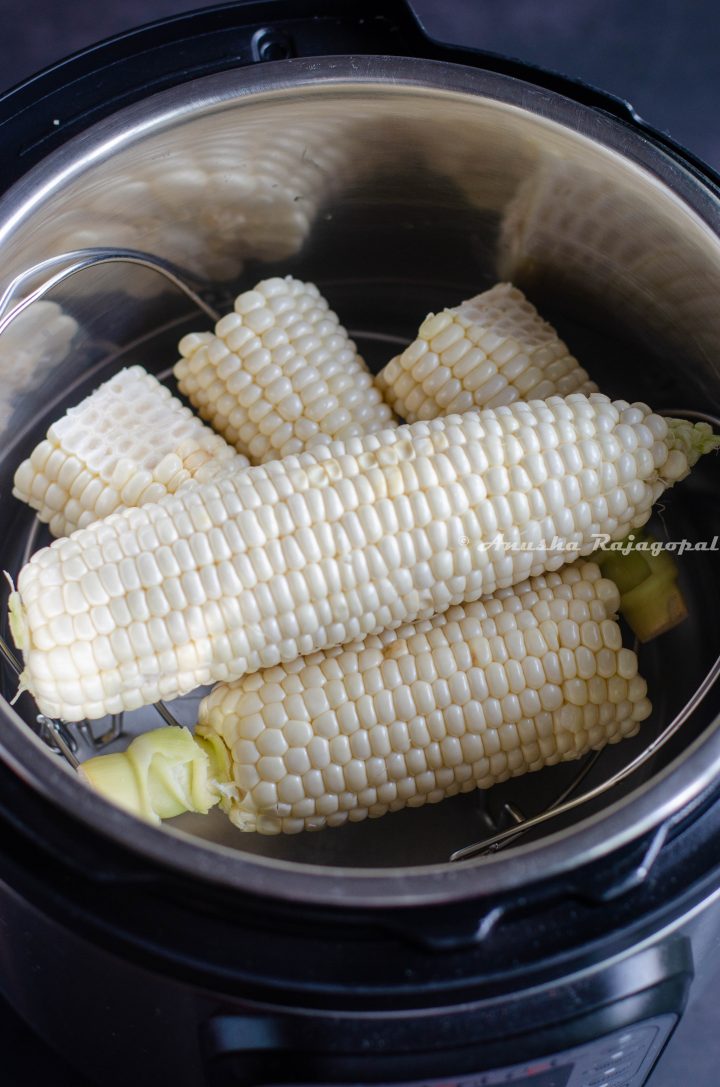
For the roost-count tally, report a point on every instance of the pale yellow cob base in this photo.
(489, 351)
(163, 773)
(130, 442)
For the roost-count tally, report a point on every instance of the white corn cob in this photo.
(588, 237)
(519, 354)
(280, 374)
(129, 442)
(41, 332)
(566, 216)
(236, 190)
(524, 679)
(482, 158)
(35, 341)
(491, 350)
(332, 545)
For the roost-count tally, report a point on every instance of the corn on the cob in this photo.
(480, 157)
(280, 374)
(566, 216)
(332, 545)
(491, 350)
(515, 351)
(35, 341)
(586, 235)
(128, 443)
(568, 212)
(236, 190)
(38, 336)
(527, 678)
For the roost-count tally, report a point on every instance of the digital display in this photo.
(554, 1077)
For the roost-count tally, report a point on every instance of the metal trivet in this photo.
(65, 738)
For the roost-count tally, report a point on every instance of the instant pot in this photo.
(557, 931)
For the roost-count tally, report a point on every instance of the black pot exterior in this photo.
(136, 976)
(142, 973)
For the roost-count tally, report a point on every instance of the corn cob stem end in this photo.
(646, 576)
(162, 774)
(16, 617)
(654, 608)
(692, 439)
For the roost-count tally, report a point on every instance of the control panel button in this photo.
(627, 1066)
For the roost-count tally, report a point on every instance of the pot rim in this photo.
(592, 838)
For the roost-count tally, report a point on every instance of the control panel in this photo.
(621, 1059)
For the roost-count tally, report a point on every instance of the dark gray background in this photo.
(662, 55)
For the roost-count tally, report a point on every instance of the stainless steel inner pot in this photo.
(399, 186)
